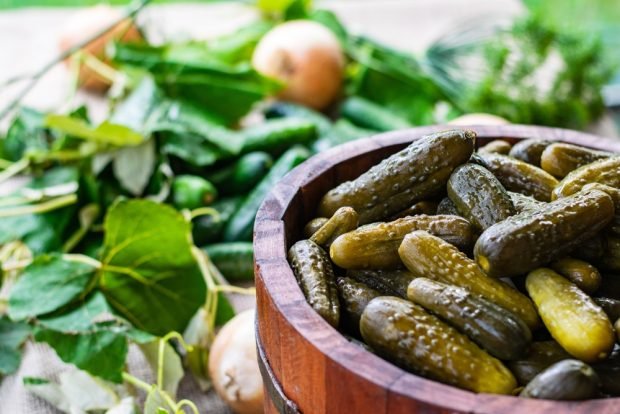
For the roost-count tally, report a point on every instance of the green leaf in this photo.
(42, 232)
(105, 133)
(133, 166)
(81, 319)
(172, 367)
(101, 353)
(225, 310)
(139, 108)
(156, 403)
(225, 90)
(191, 148)
(26, 134)
(149, 273)
(394, 80)
(49, 283)
(12, 336)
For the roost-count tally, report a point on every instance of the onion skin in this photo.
(307, 58)
(233, 365)
(84, 24)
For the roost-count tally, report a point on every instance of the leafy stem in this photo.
(14, 169)
(40, 208)
(161, 353)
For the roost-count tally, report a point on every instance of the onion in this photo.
(307, 57)
(86, 23)
(233, 365)
(479, 119)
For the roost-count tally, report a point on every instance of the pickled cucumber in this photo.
(529, 150)
(530, 239)
(420, 342)
(416, 173)
(521, 177)
(388, 282)
(583, 274)
(560, 159)
(375, 246)
(313, 225)
(354, 297)
(569, 380)
(540, 356)
(344, 220)
(574, 320)
(522, 203)
(605, 171)
(497, 146)
(500, 332)
(315, 276)
(479, 196)
(428, 256)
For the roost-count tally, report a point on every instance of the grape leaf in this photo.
(100, 352)
(26, 133)
(149, 273)
(12, 336)
(172, 369)
(105, 133)
(50, 282)
(133, 166)
(82, 318)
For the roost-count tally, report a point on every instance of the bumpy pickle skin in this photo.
(375, 246)
(428, 256)
(583, 274)
(540, 356)
(500, 332)
(521, 177)
(529, 150)
(354, 297)
(416, 173)
(420, 342)
(528, 240)
(574, 320)
(479, 196)
(560, 159)
(345, 219)
(315, 276)
(313, 225)
(605, 171)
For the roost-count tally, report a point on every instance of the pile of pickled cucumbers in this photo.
(495, 271)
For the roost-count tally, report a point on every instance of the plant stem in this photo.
(236, 289)
(205, 211)
(40, 208)
(188, 403)
(130, 12)
(136, 382)
(82, 258)
(14, 169)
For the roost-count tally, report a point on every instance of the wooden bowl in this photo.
(307, 365)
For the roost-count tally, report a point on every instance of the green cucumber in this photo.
(240, 226)
(208, 228)
(243, 174)
(234, 260)
(291, 110)
(367, 114)
(191, 192)
(341, 132)
(276, 135)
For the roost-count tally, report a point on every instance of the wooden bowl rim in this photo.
(272, 266)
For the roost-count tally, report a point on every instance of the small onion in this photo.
(307, 58)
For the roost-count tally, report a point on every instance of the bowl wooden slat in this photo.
(318, 369)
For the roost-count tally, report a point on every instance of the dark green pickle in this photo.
(421, 207)
(500, 332)
(315, 276)
(611, 307)
(529, 150)
(539, 357)
(354, 297)
(420, 342)
(479, 196)
(567, 380)
(520, 177)
(559, 159)
(497, 146)
(388, 282)
(529, 240)
(418, 172)
(609, 373)
(447, 207)
(313, 225)
(522, 203)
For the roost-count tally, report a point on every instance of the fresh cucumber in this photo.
(240, 226)
(209, 228)
(243, 174)
(367, 114)
(234, 260)
(341, 132)
(276, 135)
(291, 110)
(191, 192)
